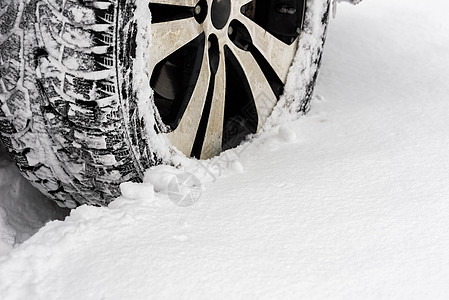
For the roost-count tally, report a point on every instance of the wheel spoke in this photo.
(214, 132)
(264, 97)
(184, 135)
(278, 54)
(238, 4)
(190, 3)
(167, 37)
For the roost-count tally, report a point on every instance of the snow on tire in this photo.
(77, 112)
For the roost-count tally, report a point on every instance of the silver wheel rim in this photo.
(217, 70)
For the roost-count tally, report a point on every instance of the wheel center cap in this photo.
(220, 11)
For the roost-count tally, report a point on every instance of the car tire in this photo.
(92, 93)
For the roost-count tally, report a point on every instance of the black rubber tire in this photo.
(69, 112)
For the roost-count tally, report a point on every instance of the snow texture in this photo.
(348, 202)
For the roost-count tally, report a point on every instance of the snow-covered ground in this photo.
(349, 202)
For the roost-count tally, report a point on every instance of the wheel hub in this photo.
(220, 12)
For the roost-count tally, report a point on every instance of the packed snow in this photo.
(348, 202)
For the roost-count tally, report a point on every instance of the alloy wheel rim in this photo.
(218, 67)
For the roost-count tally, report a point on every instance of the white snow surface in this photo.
(348, 202)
